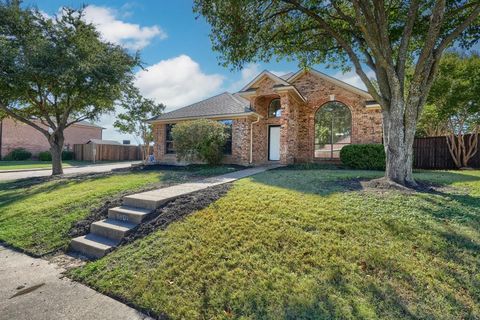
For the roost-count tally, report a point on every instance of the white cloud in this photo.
(353, 79)
(177, 82)
(129, 35)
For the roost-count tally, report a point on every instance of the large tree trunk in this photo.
(398, 142)
(56, 141)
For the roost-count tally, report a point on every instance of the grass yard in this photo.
(35, 164)
(36, 217)
(309, 244)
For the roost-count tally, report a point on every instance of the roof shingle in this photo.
(219, 105)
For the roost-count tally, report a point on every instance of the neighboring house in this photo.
(16, 134)
(299, 117)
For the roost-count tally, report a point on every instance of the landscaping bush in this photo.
(199, 140)
(68, 155)
(363, 156)
(18, 154)
(45, 156)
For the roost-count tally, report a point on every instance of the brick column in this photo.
(287, 130)
(241, 141)
(159, 139)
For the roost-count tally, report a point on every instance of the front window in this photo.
(333, 128)
(227, 149)
(169, 139)
(275, 109)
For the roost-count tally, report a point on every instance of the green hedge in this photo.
(18, 155)
(47, 156)
(68, 155)
(363, 156)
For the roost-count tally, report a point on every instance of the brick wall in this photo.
(16, 134)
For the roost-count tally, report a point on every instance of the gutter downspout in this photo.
(251, 138)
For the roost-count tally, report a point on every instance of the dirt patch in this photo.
(177, 209)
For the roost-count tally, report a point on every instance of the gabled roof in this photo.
(287, 75)
(337, 82)
(224, 104)
(263, 74)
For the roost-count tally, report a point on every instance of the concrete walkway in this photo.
(34, 289)
(106, 234)
(159, 196)
(4, 176)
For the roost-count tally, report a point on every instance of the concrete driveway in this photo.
(86, 169)
(34, 289)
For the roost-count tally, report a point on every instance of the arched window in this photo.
(275, 109)
(333, 128)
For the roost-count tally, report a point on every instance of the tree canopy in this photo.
(454, 104)
(57, 70)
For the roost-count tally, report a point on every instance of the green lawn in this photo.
(37, 217)
(34, 164)
(309, 244)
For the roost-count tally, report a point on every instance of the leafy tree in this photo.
(137, 111)
(201, 139)
(431, 123)
(455, 97)
(385, 36)
(58, 71)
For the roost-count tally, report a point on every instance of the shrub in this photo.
(363, 156)
(68, 155)
(18, 155)
(45, 156)
(200, 140)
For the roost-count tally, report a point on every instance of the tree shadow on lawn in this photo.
(325, 182)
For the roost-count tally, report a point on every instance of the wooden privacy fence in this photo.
(107, 152)
(433, 153)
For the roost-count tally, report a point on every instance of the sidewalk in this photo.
(34, 289)
(104, 167)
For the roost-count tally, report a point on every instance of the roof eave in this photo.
(288, 88)
(219, 116)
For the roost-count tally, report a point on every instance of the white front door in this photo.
(274, 143)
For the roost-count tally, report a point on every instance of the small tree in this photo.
(57, 71)
(455, 97)
(137, 111)
(202, 140)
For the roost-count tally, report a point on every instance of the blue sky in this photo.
(175, 48)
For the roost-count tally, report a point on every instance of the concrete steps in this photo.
(92, 245)
(111, 228)
(107, 233)
(130, 214)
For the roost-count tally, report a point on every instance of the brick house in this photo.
(16, 134)
(298, 117)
